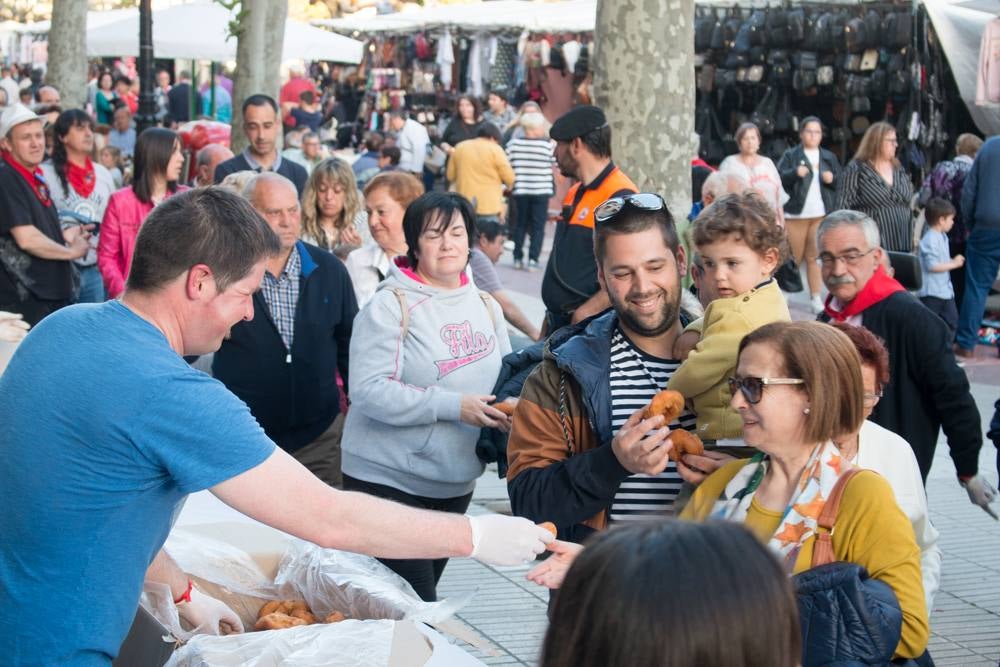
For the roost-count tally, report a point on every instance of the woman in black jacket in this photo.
(465, 124)
(809, 175)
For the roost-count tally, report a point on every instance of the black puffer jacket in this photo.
(797, 186)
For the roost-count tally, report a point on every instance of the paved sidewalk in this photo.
(510, 611)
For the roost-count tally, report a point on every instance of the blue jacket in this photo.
(294, 396)
(847, 619)
(980, 194)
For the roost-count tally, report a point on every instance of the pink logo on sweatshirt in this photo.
(465, 347)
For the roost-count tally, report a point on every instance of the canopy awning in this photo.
(198, 31)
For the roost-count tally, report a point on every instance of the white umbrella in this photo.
(198, 31)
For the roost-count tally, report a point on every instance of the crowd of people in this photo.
(357, 337)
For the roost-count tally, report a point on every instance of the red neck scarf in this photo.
(878, 288)
(82, 179)
(33, 178)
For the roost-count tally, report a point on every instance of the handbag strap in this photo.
(823, 548)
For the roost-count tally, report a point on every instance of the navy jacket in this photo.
(293, 171)
(294, 396)
(980, 194)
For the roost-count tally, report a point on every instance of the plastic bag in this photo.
(358, 586)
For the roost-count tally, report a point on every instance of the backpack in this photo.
(404, 323)
(896, 29)
(856, 35)
(704, 26)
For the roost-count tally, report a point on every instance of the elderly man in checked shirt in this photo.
(284, 362)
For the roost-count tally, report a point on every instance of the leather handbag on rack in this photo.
(763, 114)
(796, 30)
(856, 35)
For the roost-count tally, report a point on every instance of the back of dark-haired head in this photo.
(744, 215)
(937, 208)
(66, 121)
(635, 221)
(598, 141)
(258, 100)
(489, 131)
(307, 96)
(434, 211)
(121, 78)
(153, 150)
(491, 229)
(373, 141)
(674, 593)
(211, 226)
(392, 153)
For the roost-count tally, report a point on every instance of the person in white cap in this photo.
(36, 272)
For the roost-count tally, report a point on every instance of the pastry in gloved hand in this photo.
(208, 615)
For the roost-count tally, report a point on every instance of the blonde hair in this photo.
(870, 147)
(330, 172)
(401, 186)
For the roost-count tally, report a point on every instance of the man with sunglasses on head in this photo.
(928, 389)
(583, 151)
(580, 453)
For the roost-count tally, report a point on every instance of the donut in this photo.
(334, 617)
(549, 526)
(685, 442)
(269, 608)
(277, 621)
(303, 614)
(668, 403)
(505, 407)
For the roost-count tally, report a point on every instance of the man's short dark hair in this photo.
(399, 113)
(937, 208)
(211, 226)
(258, 100)
(635, 221)
(489, 131)
(374, 141)
(598, 141)
(393, 153)
(491, 229)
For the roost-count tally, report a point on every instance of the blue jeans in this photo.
(91, 285)
(532, 211)
(982, 259)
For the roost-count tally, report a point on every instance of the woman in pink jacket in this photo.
(158, 161)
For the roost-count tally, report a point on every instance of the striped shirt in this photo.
(862, 188)
(635, 378)
(532, 160)
(282, 295)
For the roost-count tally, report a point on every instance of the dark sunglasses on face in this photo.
(753, 388)
(643, 201)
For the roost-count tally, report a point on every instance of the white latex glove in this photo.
(981, 493)
(209, 616)
(12, 327)
(506, 540)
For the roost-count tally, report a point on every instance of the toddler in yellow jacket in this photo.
(741, 245)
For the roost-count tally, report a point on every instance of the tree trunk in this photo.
(67, 69)
(258, 57)
(644, 81)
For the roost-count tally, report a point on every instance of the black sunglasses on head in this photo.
(643, 201)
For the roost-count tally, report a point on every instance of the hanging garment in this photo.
(571, 53)
(445, 58)
(988, 79)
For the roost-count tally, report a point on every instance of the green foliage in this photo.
(235, 26)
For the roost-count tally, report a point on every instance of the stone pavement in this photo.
(965, 623)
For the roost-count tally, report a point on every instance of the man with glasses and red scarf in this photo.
(928, 390)
(580, 453)
(36, 272)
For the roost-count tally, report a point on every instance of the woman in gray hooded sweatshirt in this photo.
(425, 354)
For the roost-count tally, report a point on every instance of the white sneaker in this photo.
(817, 304)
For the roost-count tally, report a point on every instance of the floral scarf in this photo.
(798, 523)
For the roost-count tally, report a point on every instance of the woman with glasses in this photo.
(795, 403)
(756, 169)
(876, 184)
(875, 448)
(333, 214)
(809, 175)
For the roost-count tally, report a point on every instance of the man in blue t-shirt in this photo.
(90, 485)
